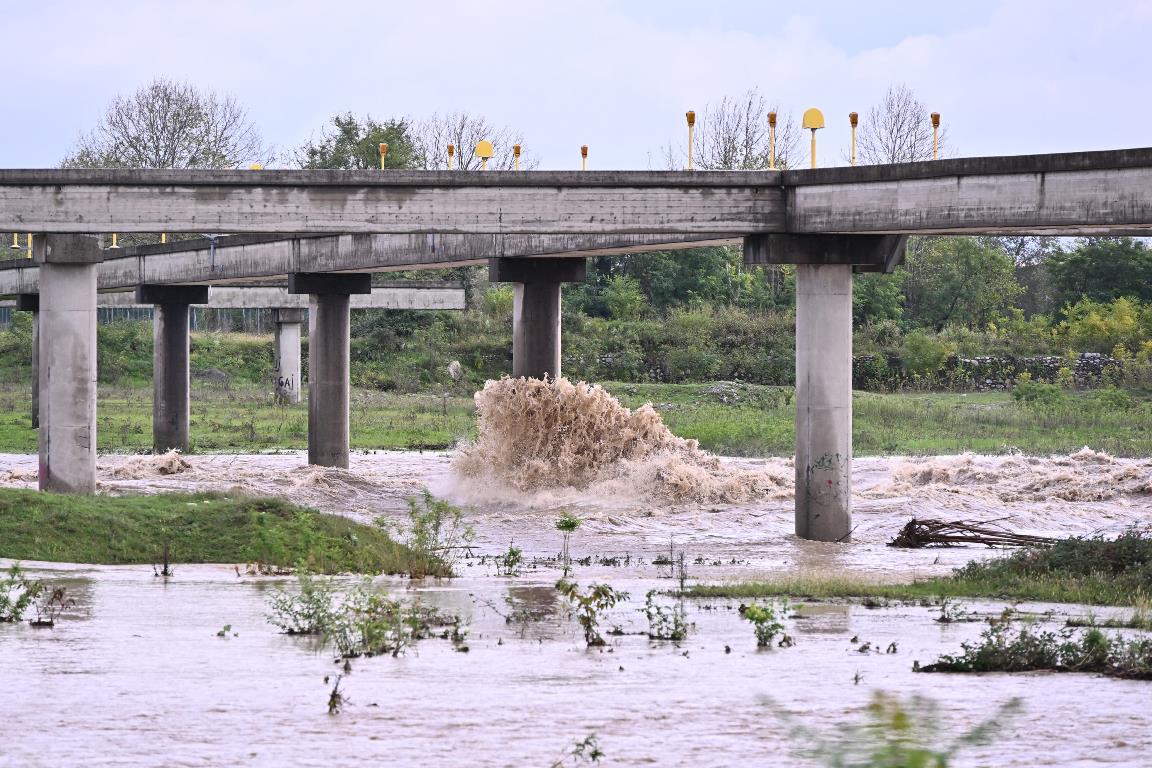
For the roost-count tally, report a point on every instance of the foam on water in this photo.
(544, 436)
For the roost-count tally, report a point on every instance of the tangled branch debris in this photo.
(938, 533)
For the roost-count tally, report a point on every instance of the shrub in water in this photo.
(767, 624)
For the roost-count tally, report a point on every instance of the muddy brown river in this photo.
(135, 674)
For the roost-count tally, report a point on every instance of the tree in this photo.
(732, 135)
(1102, 269)
(352, 143)
(897, 130)
(876, 296)
(957, 280)
(464, 131)
(167, 124)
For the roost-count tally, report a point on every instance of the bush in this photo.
(923, 356)
(1036, 394)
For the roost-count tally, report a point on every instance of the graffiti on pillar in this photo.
(826, 478)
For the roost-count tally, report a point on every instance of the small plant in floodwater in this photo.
(436, 534)
(49, 605)
(227, 630)
(336, 699)
(508, 563)
(767, 623)
(582, 752)
(567, 524)
(370, 624)
(950, 611)
(896, 733)
(589, 604)
(16, 593)
(309, 610)
(664, 622)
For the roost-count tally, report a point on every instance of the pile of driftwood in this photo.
(937, 533)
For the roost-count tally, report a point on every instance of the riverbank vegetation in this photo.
(194, 528)
(1085, 570)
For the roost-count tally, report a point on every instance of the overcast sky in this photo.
(1009, 76)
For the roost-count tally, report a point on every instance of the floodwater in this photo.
(135, 673)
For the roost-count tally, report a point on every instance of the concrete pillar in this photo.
(823, 401)
(68, 362)
(328, 358)
(287, 351)
(171, 404)
(824, 267)
(536, 310)
(30, 302)
(536, 330)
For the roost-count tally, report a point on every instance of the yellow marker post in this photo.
(29, 245)
(772, 141)
(451, 154)
(516, 155)
(583, 157)
(115, 241)
(383, 153)
(691, 115)
(163, 237)
(15, 242)
(813, 121)
(935, 135)
(853, 118)
(484, 150)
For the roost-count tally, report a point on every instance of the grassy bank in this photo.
(730, 419)
(1089, 571)
(198, 528)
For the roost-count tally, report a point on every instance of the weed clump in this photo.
(897, 733)
(436, 534)
(1003, 648)
(16, 593)
(589, 604)
(767, 623)
(664, 622)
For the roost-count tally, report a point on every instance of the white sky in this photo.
(1009, 76)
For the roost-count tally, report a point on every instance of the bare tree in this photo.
(898, 130)
(464, 131)
(733, 135)
(167, 124)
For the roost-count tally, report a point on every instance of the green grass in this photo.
(199, 528)
(730, 419)
(1088, 571)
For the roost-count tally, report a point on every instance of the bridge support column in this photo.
(536, 310)
(328, 358)
(287, 352)
(824, 268)
(30, 302)
(171, 403)
(67, 376)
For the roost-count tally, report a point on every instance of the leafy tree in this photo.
(1102, 269)
(959, 280)
(352, 143)
(876, 297)
(167, 124)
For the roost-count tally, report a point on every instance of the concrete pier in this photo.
(67, 374)
(170, 350)
(824, 268)
(30, 302)
(823, 401)
(536, 310)
(328, 348)
(287, 351)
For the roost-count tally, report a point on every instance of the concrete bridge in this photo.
(531, 227)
